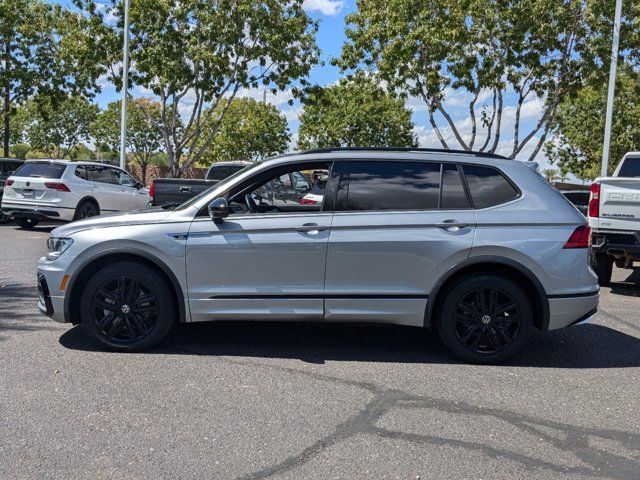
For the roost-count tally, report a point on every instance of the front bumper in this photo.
(50, 297)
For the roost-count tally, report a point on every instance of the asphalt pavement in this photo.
(309, 401)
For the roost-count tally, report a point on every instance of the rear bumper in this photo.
(572, 309)
(40, 212)
(618, 244)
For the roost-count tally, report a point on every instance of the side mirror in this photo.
(218, 209)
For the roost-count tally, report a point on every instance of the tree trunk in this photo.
(7, 99)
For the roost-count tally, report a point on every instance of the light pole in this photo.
(612, 87)
(125, 86)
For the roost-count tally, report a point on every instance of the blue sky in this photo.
(331, 17)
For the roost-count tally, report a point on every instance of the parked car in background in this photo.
(579, 198)
(474, 246)
(63, 190)
(174, 191)
(7, 167)
(614, 216)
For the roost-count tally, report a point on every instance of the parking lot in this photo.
(258, 400)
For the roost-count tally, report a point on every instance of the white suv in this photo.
(64, 190)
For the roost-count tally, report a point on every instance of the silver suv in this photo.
(477, 247)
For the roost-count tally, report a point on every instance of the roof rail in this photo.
(400, 149)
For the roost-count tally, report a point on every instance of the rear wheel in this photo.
(602, 264)
(25, 222)
(128, 306)
(86, 209)
(485, 319)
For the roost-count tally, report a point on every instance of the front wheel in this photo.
(128, 306)
(25, 222)
(485, 319)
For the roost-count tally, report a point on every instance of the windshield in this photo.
(201, 195)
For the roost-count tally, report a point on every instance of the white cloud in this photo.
(326, 7)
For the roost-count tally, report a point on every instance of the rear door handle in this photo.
(451, 225)
(311, 228)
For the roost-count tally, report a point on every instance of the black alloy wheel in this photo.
(487, 320)
(86, 210)
(125, 310)
(128, 306)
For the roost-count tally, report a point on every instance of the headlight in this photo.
(57, 246)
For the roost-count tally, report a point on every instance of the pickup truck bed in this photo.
(164, 191)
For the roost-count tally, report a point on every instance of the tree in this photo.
(58, 128)
(551, 174)
(355, 112)
(250, 130)
(44, 50)
(195, 55)
(531, 50)
(144, 130)
(576, 144)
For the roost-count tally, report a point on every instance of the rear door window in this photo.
(488, 187)
(392, 185)
(41, 170)
(101, 175)
(454, 196)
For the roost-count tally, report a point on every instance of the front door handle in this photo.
(184, 189)
(451, 225)
(311, 228)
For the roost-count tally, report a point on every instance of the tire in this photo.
(602, 264)
(485, 318)
(4, 218)
(86, 209)
(128, 306)
(26, 222)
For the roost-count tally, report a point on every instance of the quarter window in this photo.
(389, 186)
(488, 187)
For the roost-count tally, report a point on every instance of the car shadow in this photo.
(630, 286)
(585, 346)
(14, 318)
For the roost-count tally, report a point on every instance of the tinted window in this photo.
(221, 172)
(123, 178)
(453, 194)
(81, 172)
(44, 170)
(101, 174)
(630, 167)
(9, 167)
(488, 187)
(390, 186)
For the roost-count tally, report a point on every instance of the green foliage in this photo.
(195, 55)
(355, 112)
(50, 52)
(144, 129)
(535, 48)
(19, 150)
(58, 128)
(576, 145)
(250, 130)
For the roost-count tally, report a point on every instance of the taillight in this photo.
(580, 238)
(8, 183)
(61, 187)
(594, 201)
(152, 192)
(307, 201)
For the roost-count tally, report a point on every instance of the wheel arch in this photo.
(88, 198)
(78, 280)
(495, 265)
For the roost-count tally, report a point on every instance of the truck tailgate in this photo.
(619, 204)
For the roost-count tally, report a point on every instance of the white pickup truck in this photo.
(614, 218)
